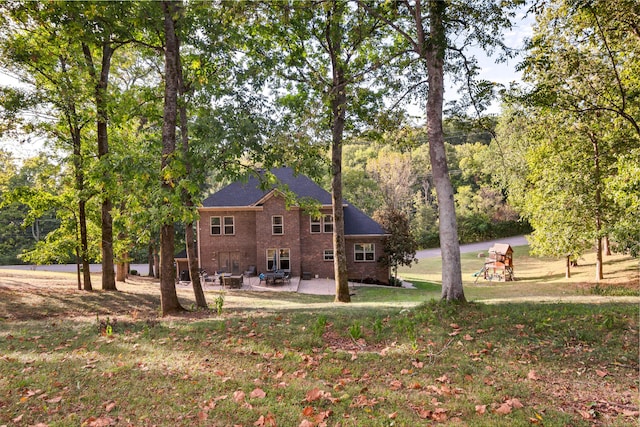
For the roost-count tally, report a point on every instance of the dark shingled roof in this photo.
(249, 193)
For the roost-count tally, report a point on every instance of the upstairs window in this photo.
(216, 225)
(277, 224)
(316, 225)
(229, 226)
(328, 223)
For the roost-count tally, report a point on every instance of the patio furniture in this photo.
(273, 277)
(231, 281)
(251, 271)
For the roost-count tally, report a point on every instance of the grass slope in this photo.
(394, 357)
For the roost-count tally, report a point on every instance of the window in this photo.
(216, 228)
(272, 259)
(285, 257)
(316, 225)
(277, 226)
(328, 223)
(364, 252)
(229, 227)
(328, 254)
(278, 259)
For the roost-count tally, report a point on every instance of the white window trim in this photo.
(317, 222)
(364, 252)
(219, 226)
(225, 225)
(274, 225)
(328, 255)
(325, 223)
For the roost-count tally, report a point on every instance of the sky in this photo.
(503, 73)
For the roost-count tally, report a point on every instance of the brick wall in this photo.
(242, 243)
(253, 236)
(265, 239)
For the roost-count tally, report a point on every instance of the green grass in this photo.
(392, 357)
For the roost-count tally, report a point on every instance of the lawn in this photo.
(393, 357)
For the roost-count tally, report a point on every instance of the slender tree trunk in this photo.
(190, 240)
(102, 80)
(84, 242)
(607, 246)
(452, 289)
(338, 109)
(156, 261)
(567, 270)
(108, 274)
(598, 204)
(78, 166)
(150, 260)
(168, 296)
(82, 211)
(78, 261)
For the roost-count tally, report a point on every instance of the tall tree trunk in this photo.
(450, 247)
(168, 296)
(598, 203)
(567, 269)
(190, 241)
(82, 210)
(84, 245)
(102, 113)
(338, 109)
(156, 259)
(78, 165)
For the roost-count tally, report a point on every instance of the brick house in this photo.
(243, 225)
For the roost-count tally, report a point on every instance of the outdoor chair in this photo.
(251, 271)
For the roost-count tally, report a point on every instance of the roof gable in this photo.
(249, 193)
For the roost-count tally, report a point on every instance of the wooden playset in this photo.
(499, 265)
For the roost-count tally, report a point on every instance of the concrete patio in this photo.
(295, 284)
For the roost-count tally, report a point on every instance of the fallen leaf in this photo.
(454, 326)
(308, 411)
(424, 413)
(393, 415)
(268, 421)
(108, 406)
(395, 385)
(601, 374)
(417, 364)
(532, 375)
(314, 394)
(514, 403)
(322, 415)
(99, 422)
(585, 414)
(440, 415)
(481, 409)
(306, 423)
(468, 337)
(258, 393)
(443, 379)
(18, 418)
(238, 396)
(202, 416)
(54, 399)
(503, 409)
